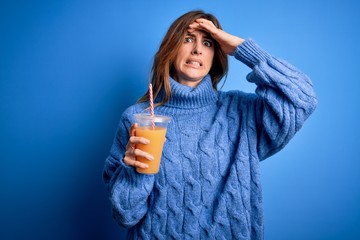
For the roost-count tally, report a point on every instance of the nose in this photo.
(197, 50)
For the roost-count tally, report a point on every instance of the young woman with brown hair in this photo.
(208, 186)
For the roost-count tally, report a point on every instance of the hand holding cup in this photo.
(132, 152)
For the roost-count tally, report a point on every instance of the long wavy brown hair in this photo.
(163, 65)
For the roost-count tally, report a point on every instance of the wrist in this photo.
(238, 41)
(235, 43)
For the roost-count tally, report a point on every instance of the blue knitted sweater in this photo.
(208, 186)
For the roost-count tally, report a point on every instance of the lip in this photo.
(188, 61)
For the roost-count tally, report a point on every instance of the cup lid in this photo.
(155, 118)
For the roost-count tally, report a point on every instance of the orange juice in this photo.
(156, 137)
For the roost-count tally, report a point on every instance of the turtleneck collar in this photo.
(185, 97)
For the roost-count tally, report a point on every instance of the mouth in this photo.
(194, 63)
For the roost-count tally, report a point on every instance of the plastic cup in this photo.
(152, 128)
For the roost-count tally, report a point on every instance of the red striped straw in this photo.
(151, 105)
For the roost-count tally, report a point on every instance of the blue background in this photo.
(69, 68)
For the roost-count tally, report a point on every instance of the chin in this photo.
(195, 77)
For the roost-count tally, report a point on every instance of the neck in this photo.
(187, 97)
(188, 82)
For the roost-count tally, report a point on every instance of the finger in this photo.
(133, 140)
(203, 21)
(130, 152)
(194, 25)
(140, 153)
(132, 162)
(192, 29)
(132, 130)
(137, 140)
(140, 164)
(134, 152)
(206, 24)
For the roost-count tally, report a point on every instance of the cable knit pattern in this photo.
(209, 185)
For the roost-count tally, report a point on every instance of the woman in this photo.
(208, 186)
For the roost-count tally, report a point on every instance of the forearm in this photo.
(128, 189)
(129, 195)
(286, 97)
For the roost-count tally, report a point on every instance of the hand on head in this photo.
(227, 42)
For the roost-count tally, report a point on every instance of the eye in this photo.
(208, 43)
(188, 40)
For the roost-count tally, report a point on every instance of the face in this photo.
(194, 59)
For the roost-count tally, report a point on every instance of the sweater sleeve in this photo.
(285, 98)
(129, 190)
